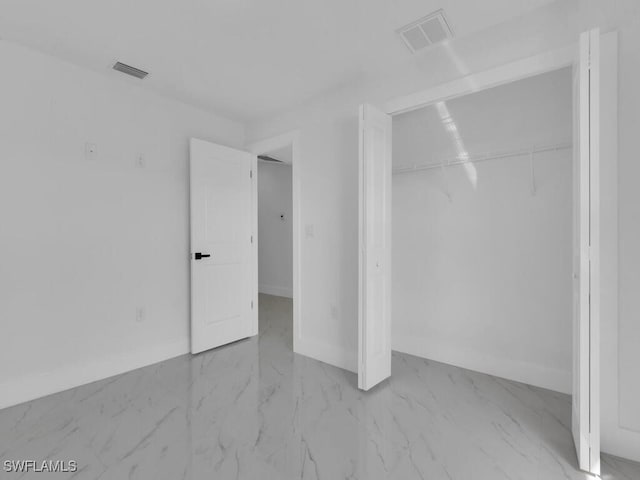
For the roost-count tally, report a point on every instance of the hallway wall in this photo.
(275, 235)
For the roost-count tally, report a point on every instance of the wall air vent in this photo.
(426, 31)
(129, 70)
(267, 158)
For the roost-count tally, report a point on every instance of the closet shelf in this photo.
(483, 157)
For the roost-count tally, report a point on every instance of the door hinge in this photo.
(251, 238)
(250, 173)
(251, 304)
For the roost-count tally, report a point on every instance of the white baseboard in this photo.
(536, 375)
(38, 385)
(277, 291)
(324, 352)
(622, 443)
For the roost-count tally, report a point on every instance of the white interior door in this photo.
(374, 286)
(586, 332)
(223, 266)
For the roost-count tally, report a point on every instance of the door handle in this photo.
(199, 255)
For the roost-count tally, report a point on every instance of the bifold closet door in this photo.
(374, 285)
(586, 330)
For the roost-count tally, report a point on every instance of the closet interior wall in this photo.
(482, 239)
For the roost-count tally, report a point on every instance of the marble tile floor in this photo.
(254, 410)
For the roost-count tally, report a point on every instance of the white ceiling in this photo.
(242, 58)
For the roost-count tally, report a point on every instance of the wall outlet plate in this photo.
(90, 151)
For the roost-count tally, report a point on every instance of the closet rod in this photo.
(482, 158)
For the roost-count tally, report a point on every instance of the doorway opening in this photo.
(275, 244)
(225, 236)
(277, 213)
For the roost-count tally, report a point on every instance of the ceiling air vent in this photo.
(129, 70)
(425, 32)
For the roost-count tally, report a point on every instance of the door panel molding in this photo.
(223, 245)
(374, 271)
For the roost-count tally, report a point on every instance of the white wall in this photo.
(275, 236)
(483, 280)
(87, 242)
(328, 183)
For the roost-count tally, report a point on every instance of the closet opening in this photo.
(482, 231)
(482, 203)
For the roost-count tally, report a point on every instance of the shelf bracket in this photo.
(447, 192)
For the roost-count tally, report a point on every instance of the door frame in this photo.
(260, 147)
(504, 74)
(524, 68)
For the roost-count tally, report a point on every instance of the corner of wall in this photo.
(327, 353)
(536, 375)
